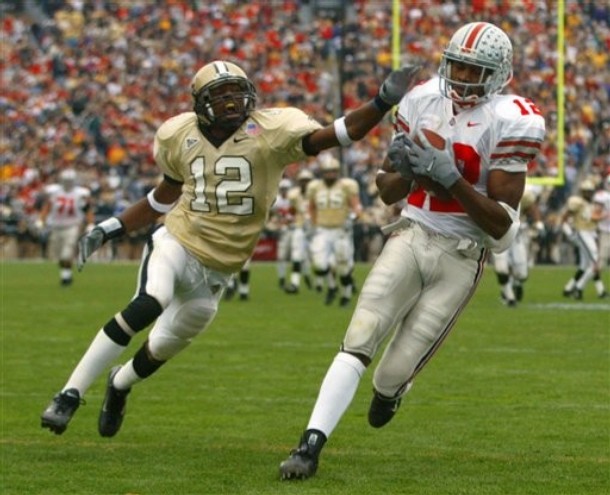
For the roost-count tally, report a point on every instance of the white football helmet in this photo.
(67, 177)
(483, 45)
(222, 108)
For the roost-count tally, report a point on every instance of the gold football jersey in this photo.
(581, 211)
(332, 203)
(299, 204)
(228, 191)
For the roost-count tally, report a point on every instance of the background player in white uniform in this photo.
(601, 201)
(240, 283)
(512, 266)
(431, 264)
(334, 205)
(282, 221)
(299, 248)
(221, 165)
(66, 211)
(579, 224)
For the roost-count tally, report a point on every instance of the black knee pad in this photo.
(138, 314)
(346, 280)
(502, 278)
(144, 364)
(296, 266)
(321, 273)
(141, 312)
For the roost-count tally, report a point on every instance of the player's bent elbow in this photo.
(504, 242)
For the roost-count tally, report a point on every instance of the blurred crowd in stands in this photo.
(85, 84)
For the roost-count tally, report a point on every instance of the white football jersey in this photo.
(228, 191)
(504, 133)
(281, 212)
(67, 207)
(602, 197)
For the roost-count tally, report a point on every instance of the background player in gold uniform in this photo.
(334, 204)
(299, 242)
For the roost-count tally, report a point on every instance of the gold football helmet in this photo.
(223, 95)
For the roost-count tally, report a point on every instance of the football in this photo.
(434, 139)
(427, 183)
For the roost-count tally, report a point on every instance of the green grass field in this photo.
(516, 402)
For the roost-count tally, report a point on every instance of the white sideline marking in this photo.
(571, 306)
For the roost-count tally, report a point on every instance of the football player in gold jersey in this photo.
(299, 242)
(334, 204)
(580, 221)
(221, 166)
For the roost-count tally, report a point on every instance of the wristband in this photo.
(381, 105)
(112, 228)
(341, 132)
(155, 205)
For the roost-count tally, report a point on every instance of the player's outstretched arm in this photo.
(354, 126)
(158, 202)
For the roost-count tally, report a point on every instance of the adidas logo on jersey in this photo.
(190, 142)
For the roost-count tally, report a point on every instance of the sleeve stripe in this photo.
(524, 143)
(516, 154)
(402, 125)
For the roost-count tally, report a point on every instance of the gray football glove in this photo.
(348, 225)
(88, 244)
(397, 83)
(437, 164)
(398, 156)
(92, 241)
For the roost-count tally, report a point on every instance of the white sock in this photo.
(599, 287)
(102, 351)
(336, 393)
(126, 377)
(507, 289)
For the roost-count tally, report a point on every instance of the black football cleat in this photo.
(113, 407)
(303, 461)
(330, 296)
(382, 409)
(291, 289)
(344, 301)
(59, 412)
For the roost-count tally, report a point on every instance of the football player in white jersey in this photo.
(66, 211)
(334, 205)
(462, 200)
(601, 201)
(512, 266)
(579, 225)
(282, 221)
(221, 166)
(239, 283)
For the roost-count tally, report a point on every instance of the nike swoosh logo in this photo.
(472, 124)
(239, 140)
